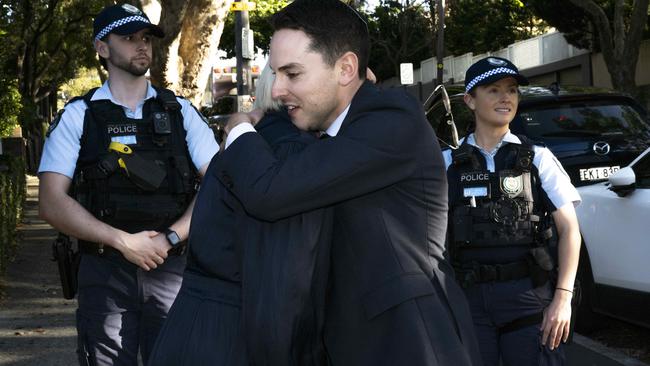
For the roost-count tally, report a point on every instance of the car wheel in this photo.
(587, 320)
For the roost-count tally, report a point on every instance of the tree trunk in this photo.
(183, 59)
(620, 46)
(171, 19)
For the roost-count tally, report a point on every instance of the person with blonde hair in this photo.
(505, 192)
(263, 99)
(246, 294)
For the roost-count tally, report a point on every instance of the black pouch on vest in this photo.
(145, 174)
(462, 226)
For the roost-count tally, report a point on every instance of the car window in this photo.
(583, 119)
(642, 172)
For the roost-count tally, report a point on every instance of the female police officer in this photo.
(503, 191)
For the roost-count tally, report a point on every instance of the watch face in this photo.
(173, 238)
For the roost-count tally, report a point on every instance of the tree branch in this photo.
(638, 19)
(601, 23)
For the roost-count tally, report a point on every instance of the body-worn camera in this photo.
(161, 123)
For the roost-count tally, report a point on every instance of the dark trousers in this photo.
(122, 308)
(496, 304)
(203, 327)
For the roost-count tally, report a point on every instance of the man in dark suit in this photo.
(392, 299)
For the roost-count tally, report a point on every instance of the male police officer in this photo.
(131, 154)
(502, 189)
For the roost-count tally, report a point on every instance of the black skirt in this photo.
(203, 326)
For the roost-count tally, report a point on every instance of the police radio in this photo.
(161, 123)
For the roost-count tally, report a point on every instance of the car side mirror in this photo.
(623, 182)
(449, 116)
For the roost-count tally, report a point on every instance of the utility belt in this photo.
(473, 272)
(538, 265)
(105, 251)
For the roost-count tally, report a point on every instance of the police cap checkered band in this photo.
(483, 76)
(123, 20)
(119, 23)
(489, 70)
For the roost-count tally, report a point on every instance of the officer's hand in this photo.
(142, 250)
(162, 242)
(557, 319)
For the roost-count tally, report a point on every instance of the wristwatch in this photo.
(173, 238)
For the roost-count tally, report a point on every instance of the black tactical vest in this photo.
(115, 195)
(495, 209)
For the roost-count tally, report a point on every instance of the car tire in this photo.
(587, 320)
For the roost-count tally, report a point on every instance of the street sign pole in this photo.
(243, 39)
(440, 47)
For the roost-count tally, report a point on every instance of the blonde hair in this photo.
(263, 98)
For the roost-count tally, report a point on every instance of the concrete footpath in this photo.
(37, 326)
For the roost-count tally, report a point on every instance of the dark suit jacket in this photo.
(393, 299)
(285, 268)
(277, 265)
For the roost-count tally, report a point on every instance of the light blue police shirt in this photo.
(555, 180)
(61, 149)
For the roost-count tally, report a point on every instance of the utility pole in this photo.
(440, 46)
(245, 52)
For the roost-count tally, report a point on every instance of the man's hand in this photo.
(144, 249)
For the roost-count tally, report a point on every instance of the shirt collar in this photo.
(509, 137)
(334, 128)
(104, 92)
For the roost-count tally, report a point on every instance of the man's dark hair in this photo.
(333, 27)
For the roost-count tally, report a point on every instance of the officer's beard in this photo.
(135, 66)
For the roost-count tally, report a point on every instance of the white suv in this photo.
(615, 261)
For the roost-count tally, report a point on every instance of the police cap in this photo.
(490, 69)
(123, 20)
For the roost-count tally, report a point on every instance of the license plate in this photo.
(598, 173)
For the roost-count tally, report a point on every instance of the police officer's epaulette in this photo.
(168, 99)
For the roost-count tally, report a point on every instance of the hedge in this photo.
(12, 197)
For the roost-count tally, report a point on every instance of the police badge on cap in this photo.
(496, 61)
(131, 9)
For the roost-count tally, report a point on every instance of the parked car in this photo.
(615, 224)
(593, 132)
